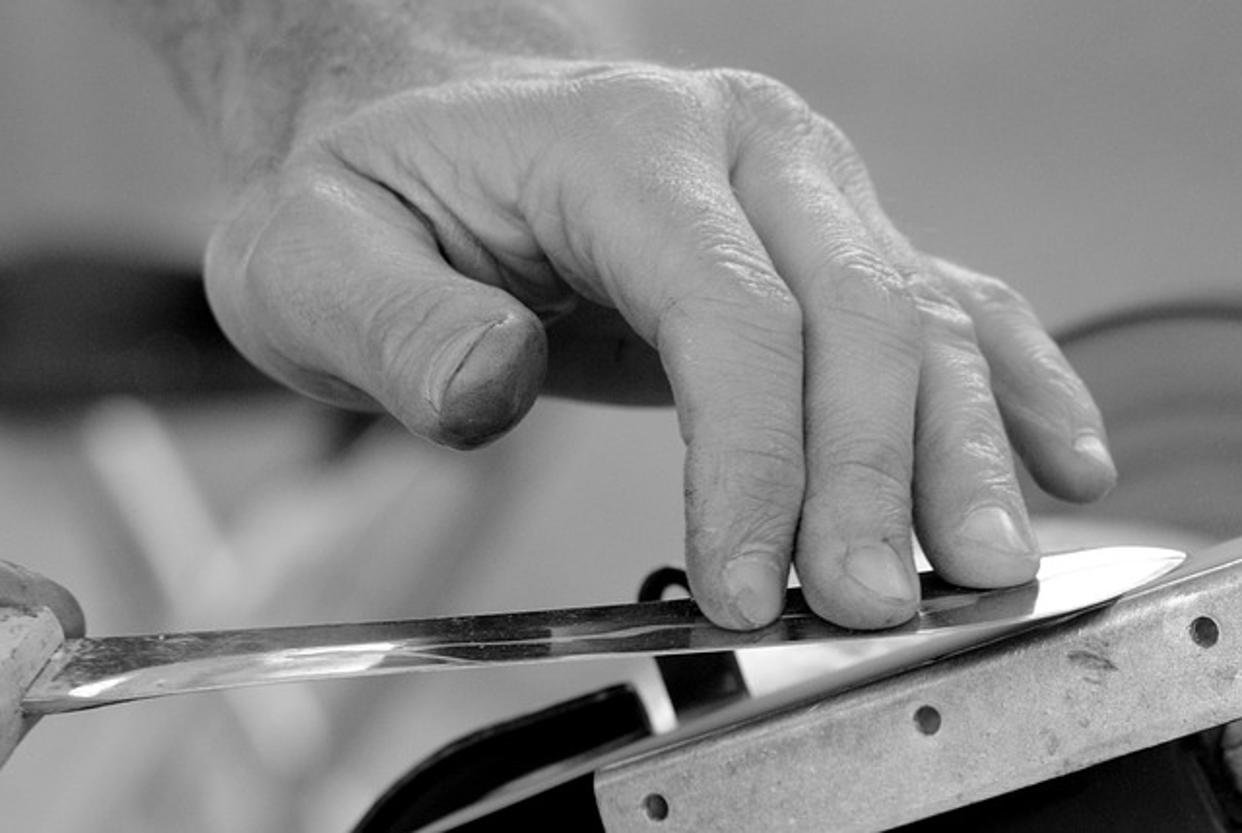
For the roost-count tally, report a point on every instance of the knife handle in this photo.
(28, 637)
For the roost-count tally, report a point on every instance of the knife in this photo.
(92, 672)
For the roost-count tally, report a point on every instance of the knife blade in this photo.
(92, 672)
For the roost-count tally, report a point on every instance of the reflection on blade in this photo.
(87, 673)
(1067, 583)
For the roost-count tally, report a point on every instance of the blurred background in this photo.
(1089, 154)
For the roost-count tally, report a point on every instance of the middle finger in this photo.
(862, 355)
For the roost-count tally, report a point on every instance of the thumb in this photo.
(20, 587)
(339, 291)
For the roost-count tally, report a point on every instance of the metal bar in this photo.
(1155, 666)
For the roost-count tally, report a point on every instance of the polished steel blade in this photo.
(86, 673)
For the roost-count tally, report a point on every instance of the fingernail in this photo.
(878, 568)
(1094, 449)
(484, 378)
(993, 527)
(449, 360)
(756, 589)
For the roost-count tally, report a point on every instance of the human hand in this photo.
(703, 233)
(20, 588)
(26, 642)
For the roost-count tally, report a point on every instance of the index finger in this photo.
(681, 262)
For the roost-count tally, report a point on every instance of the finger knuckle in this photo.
(752, 304)
(858, 266)
(766, 99)
(764, 463)
(986, 451)
(883, 469)
(993, 295)
(967, 433)
(946, 320)
(865, 284)
(870, 469)
(634, 100)
(1050, 377)
(763, 109)
(649, 133)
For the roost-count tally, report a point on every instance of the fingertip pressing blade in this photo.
(91, 672)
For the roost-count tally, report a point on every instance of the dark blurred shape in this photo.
(75, 326)
(469, 769)
(696, 683)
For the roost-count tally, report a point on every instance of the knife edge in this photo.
(92, 672)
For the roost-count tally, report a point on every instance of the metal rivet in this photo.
(1204, 631)
(656, 806)
(927, 719)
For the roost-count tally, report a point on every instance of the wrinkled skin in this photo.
(445, 253)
